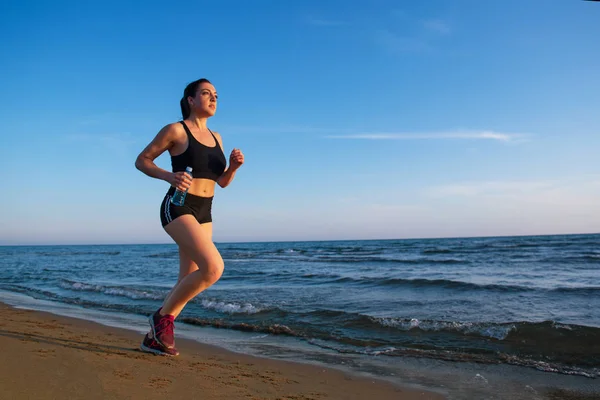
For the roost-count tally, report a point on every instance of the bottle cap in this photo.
(188, 169)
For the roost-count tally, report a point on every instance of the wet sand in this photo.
(46, 356)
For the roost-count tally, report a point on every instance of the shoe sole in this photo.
(147, 349)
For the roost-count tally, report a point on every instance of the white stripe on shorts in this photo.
(168, 209)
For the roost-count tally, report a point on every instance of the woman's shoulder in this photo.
(173, 129)
(174, 126)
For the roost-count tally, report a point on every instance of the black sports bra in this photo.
(206, 162)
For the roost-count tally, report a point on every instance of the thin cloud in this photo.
(567, 197)
(120, 139)
(399, 14)
(416, 36)
(588, 183)
(489, 135)
(489, 188)
(116, 143)
(393, 43)
(336, 133)
(438, 26)
(98, 119)
(323, 22)
(277, 129)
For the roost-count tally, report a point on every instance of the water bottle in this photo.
(179, 196)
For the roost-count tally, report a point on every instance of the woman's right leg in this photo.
(186, 264)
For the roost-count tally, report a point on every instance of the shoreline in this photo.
(54, 356)
(397, 378)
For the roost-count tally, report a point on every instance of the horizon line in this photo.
(313, 240)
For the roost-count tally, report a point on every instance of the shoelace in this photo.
(166, 325)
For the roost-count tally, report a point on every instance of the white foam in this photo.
(114, 291)
(499, 332)
(230, 308)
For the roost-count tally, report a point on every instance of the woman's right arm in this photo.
(163, 141)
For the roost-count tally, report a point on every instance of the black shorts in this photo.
(199, 207)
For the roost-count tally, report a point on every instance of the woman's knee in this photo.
(214, 270)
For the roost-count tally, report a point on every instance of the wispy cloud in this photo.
(413, 34)
(277, 129)
(393, 43)
(120, 139)
(489, 135)
(337, 133)
(323, 21)
(117, 143)
(575, 190)
(567, 204)
(98, 119)
(437, 26)
(489, 188)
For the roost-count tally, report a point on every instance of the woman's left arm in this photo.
(236, 159)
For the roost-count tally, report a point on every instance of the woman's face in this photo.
(205, 101)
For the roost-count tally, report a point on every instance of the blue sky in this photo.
(358, 120)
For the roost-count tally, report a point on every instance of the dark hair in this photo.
(190, 91)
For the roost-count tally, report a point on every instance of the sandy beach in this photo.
(54, 357)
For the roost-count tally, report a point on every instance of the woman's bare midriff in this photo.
(202, 187)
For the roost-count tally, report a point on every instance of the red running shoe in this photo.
(162, 329)
(149, 345)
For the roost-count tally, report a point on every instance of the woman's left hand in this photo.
(236, 159)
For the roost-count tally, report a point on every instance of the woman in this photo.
(190, 143)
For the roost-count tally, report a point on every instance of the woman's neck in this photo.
(199, 122)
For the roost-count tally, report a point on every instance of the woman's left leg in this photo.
(186, 264)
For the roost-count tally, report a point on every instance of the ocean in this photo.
(531, 302)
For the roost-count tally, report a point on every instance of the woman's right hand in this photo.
(180, 180)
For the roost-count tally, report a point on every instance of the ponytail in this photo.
(185, 107)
